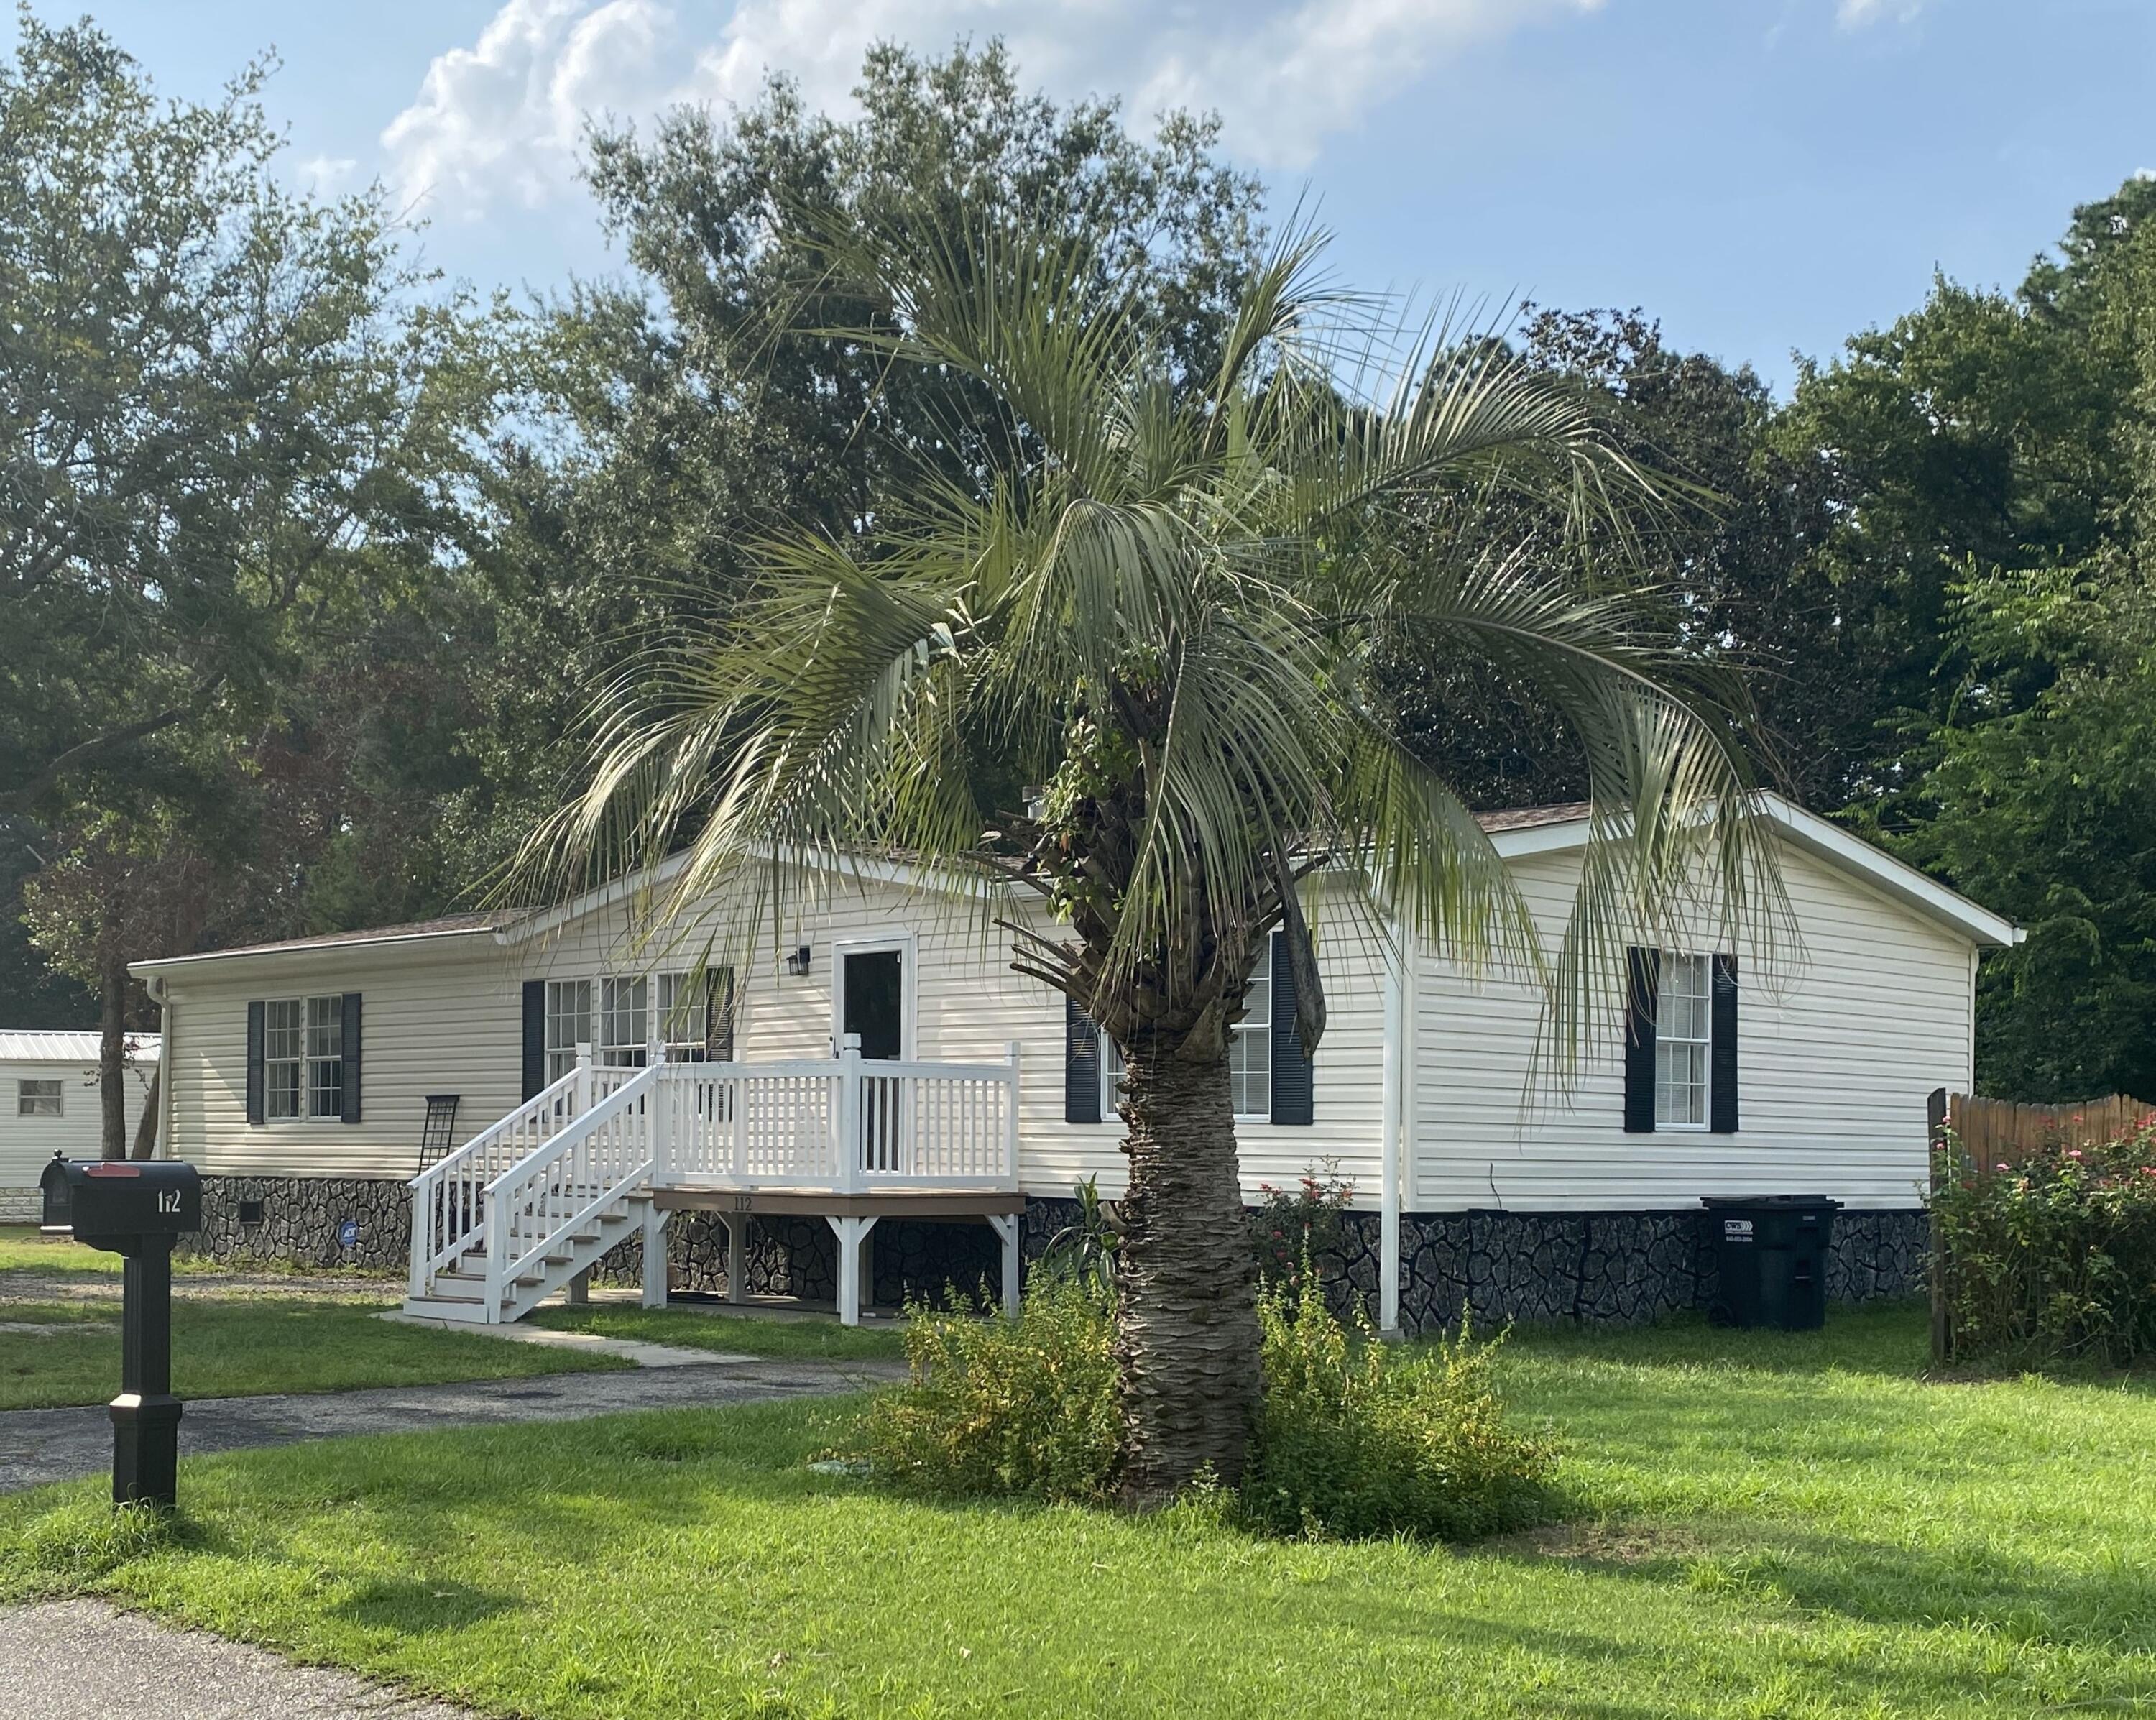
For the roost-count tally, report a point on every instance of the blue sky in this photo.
(1764, 176)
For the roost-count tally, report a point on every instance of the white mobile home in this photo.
(881, 1079)
(49, 1103)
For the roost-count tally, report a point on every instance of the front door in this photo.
(872, 1004)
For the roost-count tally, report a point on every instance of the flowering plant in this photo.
(2052, 1258)
(1299, 1227)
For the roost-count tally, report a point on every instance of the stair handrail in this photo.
(470, 1164)
(502, 1266)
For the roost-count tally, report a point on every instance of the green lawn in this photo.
(23, 1249)
(1763, 1526)
(738, 1334)
(239, 1346)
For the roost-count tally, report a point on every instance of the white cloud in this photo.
(504, 117)
(325, 174)
(1856, 14)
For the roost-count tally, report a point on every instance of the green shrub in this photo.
(1355, 1439)
(1296, 1229)
(2053, 1259)
(1002, 1406)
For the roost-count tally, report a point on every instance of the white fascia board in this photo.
(330, 947)
(1824, 840)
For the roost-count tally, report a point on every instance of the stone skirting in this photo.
(21, 1206)
(1606, 1268)
(1616, 1267)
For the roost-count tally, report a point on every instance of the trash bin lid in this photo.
(1773, 1203)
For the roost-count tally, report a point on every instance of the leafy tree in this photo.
(1161, 594)
(231, 432)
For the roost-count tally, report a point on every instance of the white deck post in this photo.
(737, 1292)
(852, 1234)
(497, 1257)
(659, 1116)
(582, 1092)
(849, 1115)
(1010, 1123)
(654, 1257)
(1006, 1225)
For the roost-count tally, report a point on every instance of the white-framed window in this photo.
(303, 1059)
(38, 1098)
(568, 1024)
(624, 1021)
(1683, 1031)
(1111, 1078)
(1250, 1045)
(687, 1005)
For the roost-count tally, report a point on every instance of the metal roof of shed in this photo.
(29, 1046)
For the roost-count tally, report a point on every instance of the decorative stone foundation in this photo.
(302, 1220)
(21, 1206)
(1603, 1268)
(1607, 1268)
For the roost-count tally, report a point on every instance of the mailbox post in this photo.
(134, 1210)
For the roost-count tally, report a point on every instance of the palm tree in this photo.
(1171, 599)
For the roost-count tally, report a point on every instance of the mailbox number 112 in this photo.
(168, 1200)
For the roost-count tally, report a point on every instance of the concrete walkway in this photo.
(82, 1659)
(40, 1445)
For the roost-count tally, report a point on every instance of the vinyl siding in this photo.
(1838, 1047)
(444, 1015)
(27, 1142)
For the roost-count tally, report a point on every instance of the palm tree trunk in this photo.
(1187, 1323)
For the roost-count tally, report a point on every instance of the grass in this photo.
(23, 1249)
(736, 1334)
(239, 1346)
(1763, 1525)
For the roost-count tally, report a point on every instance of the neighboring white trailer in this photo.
(49, 1104)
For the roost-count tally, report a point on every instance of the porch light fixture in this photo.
(797, 961)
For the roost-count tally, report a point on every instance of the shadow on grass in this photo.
(417, 1606)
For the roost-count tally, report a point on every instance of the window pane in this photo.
(283, 1085)
(624, 1021)
(38, 1098)
(568, 1024)
(1681, 1028)
(326, 1027)
(1112, 1075)
(1250, 1043)
(282, 1036)
(324, 1087)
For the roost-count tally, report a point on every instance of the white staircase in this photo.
(518, 1211)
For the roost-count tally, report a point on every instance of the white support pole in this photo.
(1010, 1116)
(581, 1100)
(1397, 954)
(658, 1117)
(736, 1291)
(849, 1115)
(654, 1257)
(1006, 1225)
(852, 1234)
(497, 1257)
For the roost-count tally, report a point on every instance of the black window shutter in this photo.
(1643, 979)
(535, 1038)
(719, 1015)
(257, 1037)
(1721, 1050)
(350, 1113)
(1081, 1066)
(1294, 1097)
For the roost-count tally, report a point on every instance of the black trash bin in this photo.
(1771, 1252)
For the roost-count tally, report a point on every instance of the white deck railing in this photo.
(845, 1125)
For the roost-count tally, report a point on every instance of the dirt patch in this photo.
(29, 1285)
(1609, 1544)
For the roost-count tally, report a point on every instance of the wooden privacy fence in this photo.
(1995, 1134)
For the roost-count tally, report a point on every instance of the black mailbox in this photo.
(134, 1210)
(105, 1202)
